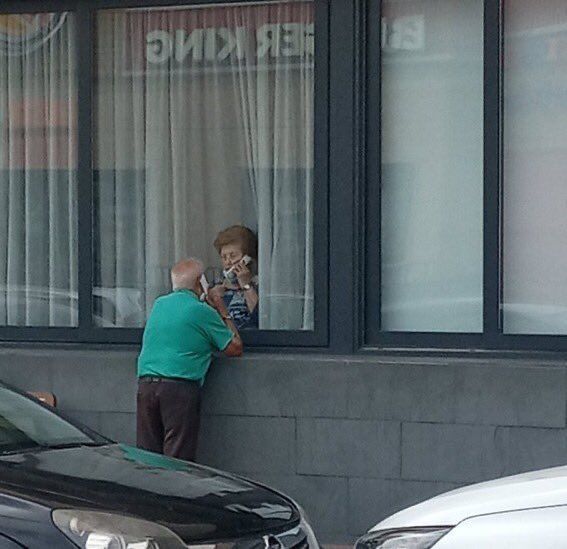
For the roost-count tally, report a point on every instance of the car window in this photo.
(25, 424)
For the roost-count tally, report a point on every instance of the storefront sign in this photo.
(215, 45)
(24, 33)
(405, 33)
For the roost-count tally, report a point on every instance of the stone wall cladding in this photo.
(353, 439)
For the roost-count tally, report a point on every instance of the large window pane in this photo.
(204, 119)
(535, 167)
(38, 161)
(432, 177)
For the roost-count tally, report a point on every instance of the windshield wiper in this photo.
(43, 447)
(62, 445)
(17, 450)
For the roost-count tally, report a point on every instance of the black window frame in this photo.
(84, 13)
(492, 338)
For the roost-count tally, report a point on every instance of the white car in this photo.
(527, 511)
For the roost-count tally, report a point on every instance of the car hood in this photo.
(197, 503)
(543, 488)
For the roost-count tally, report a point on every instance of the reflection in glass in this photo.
(38, 162)
(535, 164)
(432, 176)
(204, 119)
(25, 424)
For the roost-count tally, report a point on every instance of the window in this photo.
(431, 173)
(204, 119)
(38, 163)
(535, 164)
(133, 135)
(467, 175)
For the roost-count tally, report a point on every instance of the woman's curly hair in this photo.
(241, 236)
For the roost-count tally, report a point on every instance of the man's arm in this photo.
(235, 347)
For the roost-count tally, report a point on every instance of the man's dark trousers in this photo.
(168, 416)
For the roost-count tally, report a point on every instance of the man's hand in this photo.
(215, 300)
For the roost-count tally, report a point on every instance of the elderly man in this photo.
(180, 336)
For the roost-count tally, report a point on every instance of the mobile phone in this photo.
(229, 274)
(205, 285)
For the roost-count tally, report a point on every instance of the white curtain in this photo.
(204, 120)
(38, 191)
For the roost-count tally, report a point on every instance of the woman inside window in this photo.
(237, 247)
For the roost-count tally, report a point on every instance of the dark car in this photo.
(63, 486)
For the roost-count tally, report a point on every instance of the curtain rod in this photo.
(203, 6)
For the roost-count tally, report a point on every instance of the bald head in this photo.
(186, 274)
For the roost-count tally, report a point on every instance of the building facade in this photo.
(409, 206)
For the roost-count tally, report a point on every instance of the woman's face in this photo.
(230, 255)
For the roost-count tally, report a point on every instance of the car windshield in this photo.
(25, 425)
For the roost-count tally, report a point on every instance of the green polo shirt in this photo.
(180, 336)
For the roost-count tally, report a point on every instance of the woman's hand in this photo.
(245, 278)
(243, 274)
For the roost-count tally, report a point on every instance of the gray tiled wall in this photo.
(353, 439)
